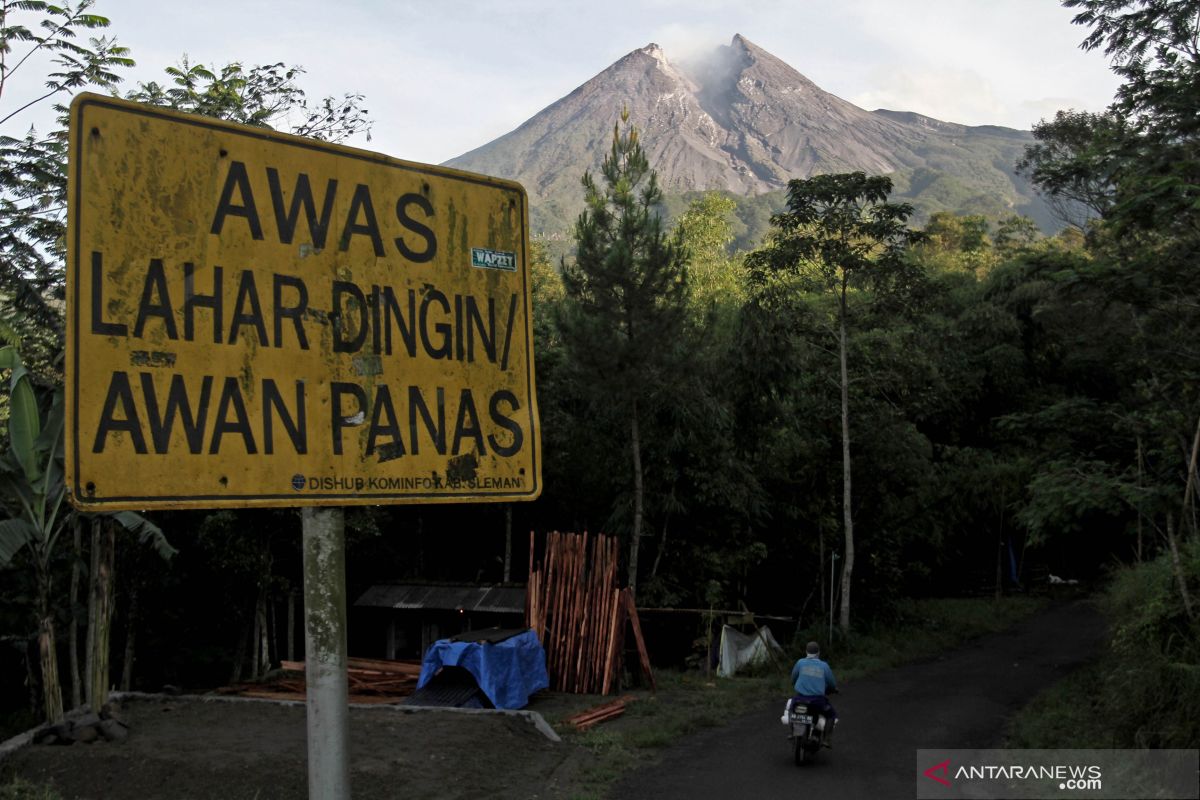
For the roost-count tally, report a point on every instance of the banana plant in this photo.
(31, 479)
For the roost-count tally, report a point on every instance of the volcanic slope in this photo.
(744, 121)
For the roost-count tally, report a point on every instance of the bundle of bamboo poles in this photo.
(574, 605)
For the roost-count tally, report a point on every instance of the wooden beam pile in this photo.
(370, 681)
(573, 603)
(601, 713)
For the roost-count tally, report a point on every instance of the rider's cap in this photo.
(813, 648)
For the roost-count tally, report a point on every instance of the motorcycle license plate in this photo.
(803, 718)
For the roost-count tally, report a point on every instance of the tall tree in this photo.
(1141, 159)
(839, 234)
(624, 319)
(717, 278)
(1075, 162)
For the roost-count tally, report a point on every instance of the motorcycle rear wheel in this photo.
(799, 753)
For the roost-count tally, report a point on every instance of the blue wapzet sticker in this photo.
(493, 259)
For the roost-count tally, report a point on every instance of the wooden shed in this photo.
(401, 620)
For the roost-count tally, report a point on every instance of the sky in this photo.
(442, 77)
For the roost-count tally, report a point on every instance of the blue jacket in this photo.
(811, 676)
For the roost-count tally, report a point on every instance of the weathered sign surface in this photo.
(257, 319)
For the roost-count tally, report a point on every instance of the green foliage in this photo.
(1068, 714)
(957, 243)
(1014, 234)
(1074, 161)
(264, 95)
(33, 167)
(31, 472)
(838, 230)
(1141, 159)
(914, 630)
(627, 286)
(706, 232)
(24, 423)
(624, 321)
(1149, 677)
(53, 30)
(21, 789)
(1154, 666)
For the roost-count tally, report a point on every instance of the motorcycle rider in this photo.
(813, 679)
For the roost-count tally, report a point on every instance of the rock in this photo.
(85, 735)
(113, 730)
(111, 710)
(88, 720)
(59, 733)
(171, 689)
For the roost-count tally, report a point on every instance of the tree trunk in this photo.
(239, 652)
(1177, 566)
(1190, 484)
(100, 613)
(263, 665)
(47, 651)
(273, 626)
(820, 570)
(507, 542)
(291, 625)
(131, 618)
(847, 515)
(662, 545)
(255, 636)
(32, 681)
(1139, 496)
(73, 642)
(999, 590)
(636, 447)
(1172, 535)
(1000, 552)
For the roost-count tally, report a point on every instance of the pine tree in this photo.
(624, 321)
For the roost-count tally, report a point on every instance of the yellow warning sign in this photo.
(258, 319)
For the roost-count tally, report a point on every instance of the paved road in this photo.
(959, 700)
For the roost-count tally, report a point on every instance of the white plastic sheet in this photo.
(739, 650)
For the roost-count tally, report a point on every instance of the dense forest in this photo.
(967, 408)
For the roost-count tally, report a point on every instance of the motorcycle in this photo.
(808, 728)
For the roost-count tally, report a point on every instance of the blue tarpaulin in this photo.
(508, 672)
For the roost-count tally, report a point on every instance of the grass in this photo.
(21, 789)
(1144, 691)
(918, 629)
(684, 703)
(1066, 714)
(687, 702)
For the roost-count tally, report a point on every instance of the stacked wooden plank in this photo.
(579, 613)
(370, 681)
(601, 713)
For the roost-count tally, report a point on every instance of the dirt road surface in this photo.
(959, 700)
(185, 750)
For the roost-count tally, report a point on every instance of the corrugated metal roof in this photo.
(414, 596)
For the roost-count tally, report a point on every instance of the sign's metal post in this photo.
(324, 545)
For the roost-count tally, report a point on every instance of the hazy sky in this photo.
(444, 76)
